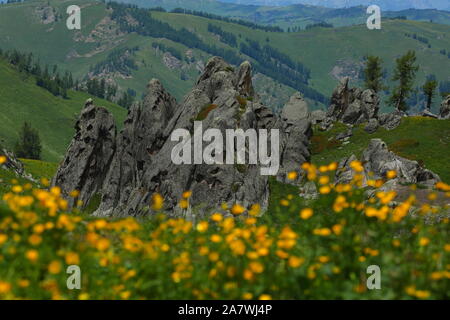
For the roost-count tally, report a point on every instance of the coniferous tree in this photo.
(429, 89)
(373, 74)
(29, 144)
(404, 73)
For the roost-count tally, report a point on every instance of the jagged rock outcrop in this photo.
(444, 112)
(377, 160)
(143, 135)
(89, 156)
(15, 165)
(352, 105)
(139, 162)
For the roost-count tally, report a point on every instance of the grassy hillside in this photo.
(328, 53)
(417, 138)
(22, 100)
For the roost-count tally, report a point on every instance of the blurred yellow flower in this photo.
(324, 180)
(3, 238)
(256, 267)
(34, 239)
(72, 258)
(324, 189)
(202, 226)
(295, 262)
(54, 267)
(424, 241)
(32, 255)
(306, 213)
(3, 159)
(254, 210)
(157, 202)
(292, 175)
(184, 204)
(5, 287)
(237, 209)
(391, 174)
(265, 297)
(216, 217)
(187, 194)
(83, 296)
(74, 193)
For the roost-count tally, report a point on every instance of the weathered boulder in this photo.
(296, 109)
(309, 191)
(377, 160)
(429, 114)
(392, 120)
(344, 135)
(371, 126)
(89, 156)
(126, 171)
(444, 112)
(317, 116)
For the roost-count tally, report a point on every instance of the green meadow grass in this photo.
(54, 117)
(417, 138)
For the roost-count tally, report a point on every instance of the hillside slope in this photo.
(22, 27)
(22, 100)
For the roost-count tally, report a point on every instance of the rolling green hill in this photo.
(328, 53)
(54, 117)
(291, 16)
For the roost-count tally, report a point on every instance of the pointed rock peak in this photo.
(157, 94)
(345, 82)
(244, 77)
(89, 102)
(154, 84)
(214, 65)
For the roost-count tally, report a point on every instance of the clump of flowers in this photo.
(298, 249)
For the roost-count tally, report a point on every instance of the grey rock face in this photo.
(89, 156)
(353, 105)
(377, 159)
(296, 125)
(444, 112)
(129, 169)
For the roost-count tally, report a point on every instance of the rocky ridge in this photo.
(126, 169)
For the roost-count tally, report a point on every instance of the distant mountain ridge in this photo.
(293, 16)
(384, 4)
